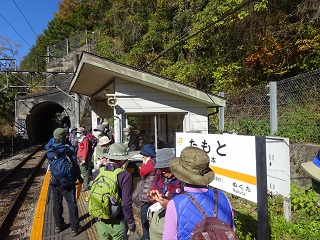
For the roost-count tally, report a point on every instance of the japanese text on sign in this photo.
(232, 157)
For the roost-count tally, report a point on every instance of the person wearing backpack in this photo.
(192, 168)
(112, 223)
(83, 156)
(93, 141)
(73, 139)
(51, 141)
(140, 194)
(64, 174)
(92, 145)
(164, 187)
(98, 132)
(104, 143)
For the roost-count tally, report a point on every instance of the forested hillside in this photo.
(212, 45)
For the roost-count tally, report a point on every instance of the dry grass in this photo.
(6, 129)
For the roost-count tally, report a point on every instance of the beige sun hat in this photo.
(312, 168)
(104, 140)
(192, 167)
(127, 129)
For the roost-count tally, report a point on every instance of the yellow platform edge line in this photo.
(235, 175)
(37, 227)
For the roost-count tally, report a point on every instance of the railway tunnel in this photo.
(43, 118)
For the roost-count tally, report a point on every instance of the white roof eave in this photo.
(94, 73)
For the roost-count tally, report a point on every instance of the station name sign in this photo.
(233, 159)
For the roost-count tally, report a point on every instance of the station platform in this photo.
(86, 221)
(44, 225)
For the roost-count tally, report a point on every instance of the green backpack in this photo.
(104, 202)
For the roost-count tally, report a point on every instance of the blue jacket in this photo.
(76, 173)
(49, 144)
(189, 215)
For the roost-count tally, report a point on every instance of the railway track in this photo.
(19, 190)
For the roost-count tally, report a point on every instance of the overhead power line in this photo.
(183, 39)
(15, 30)
(25, 18)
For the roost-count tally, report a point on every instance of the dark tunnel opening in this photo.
(43, 119)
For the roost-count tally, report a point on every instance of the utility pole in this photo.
(221, 115)
(273, 108)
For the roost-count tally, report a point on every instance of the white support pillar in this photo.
(94, 116)
(118, 126)
(186, 123)
(155, 119)
(76, 97)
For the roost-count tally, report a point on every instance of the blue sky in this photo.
(22, 20)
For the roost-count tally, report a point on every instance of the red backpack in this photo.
(92, 142)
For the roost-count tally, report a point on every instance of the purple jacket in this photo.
(125, 185)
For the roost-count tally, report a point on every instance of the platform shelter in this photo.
(158, 105)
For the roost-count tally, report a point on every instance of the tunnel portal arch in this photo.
(43, 118)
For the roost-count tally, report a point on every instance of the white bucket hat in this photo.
(312, 168)
(104, 140)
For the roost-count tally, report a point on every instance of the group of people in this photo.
(136, 141)
(166, 212)
(133, 140)
(89, 148)
(84, 151)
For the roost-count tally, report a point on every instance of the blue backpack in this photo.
(60, 166)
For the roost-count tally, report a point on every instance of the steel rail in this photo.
(26, 175)
(13, 170)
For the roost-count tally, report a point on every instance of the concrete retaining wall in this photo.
(301, 153)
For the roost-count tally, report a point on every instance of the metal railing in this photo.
(63, 48)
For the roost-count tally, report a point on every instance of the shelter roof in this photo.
(94, 74)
